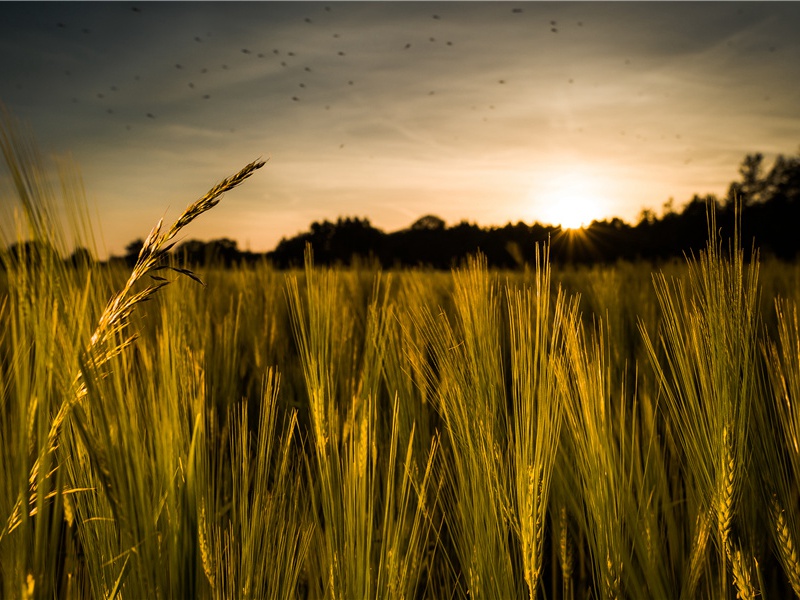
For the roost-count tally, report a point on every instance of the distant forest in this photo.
(770, 218)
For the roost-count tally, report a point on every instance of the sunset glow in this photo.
(570, 199)
(559, 112)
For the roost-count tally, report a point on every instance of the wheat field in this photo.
(618, 432)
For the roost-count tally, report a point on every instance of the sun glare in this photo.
(570, 199)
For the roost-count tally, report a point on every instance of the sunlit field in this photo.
(615, 432)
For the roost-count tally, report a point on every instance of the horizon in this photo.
(486, 112)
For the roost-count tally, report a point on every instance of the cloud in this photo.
(368, 110)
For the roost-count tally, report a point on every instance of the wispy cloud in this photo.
(394, 110)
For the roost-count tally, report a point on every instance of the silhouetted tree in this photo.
(749, 189)
(80, 258)
(132, 251)
(219, 252)
(428, 223)
(32, 253)
(332, 243)
(782, 183)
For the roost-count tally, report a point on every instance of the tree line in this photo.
(768, 201)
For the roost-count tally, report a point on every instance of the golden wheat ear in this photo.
(156, 246)
(107, 341)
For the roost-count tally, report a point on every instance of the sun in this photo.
(574, 211)
(569, 199)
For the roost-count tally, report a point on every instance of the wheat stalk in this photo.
(104, 344)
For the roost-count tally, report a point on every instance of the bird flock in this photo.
(300, 75)
(199, 78)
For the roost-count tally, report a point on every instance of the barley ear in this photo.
(205, 552)
(787, 550)
(105, 341)
(697, 554)
(725, 492)
(565, 557)
(741, 576)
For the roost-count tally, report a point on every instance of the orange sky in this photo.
(483, 111)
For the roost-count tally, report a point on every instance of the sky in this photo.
(489, 112)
